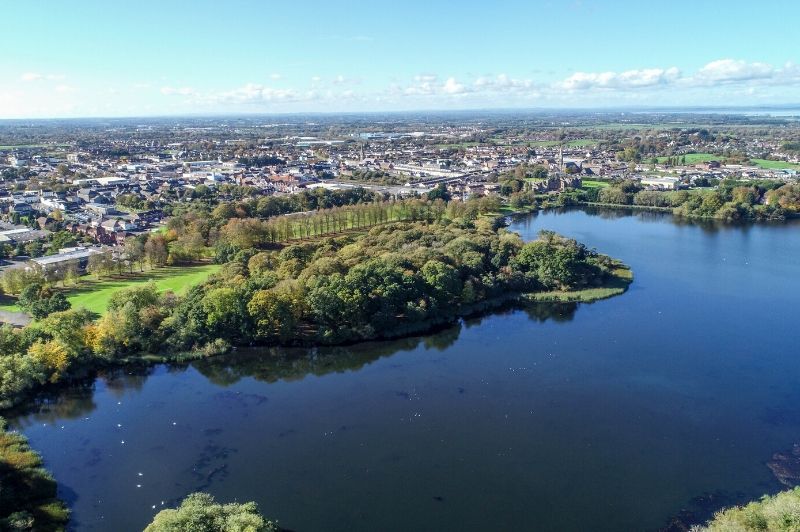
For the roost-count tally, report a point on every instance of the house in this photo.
(77, 255)
(22, 208)
(663, 183)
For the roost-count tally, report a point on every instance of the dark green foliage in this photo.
(41, 301)
(397, 277)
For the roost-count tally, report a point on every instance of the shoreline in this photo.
(618, 284)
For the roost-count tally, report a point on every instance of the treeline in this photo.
(392, 280)
(731, 201)
(395, 279)
(261, 161)
(27, 491)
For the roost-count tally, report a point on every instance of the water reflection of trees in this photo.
(272, 364)
(75, 399)
(292, 364)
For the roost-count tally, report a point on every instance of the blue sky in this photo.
(92, 58)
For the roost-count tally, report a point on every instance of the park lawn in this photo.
(593, 183)
(694, 158)
(94, 294)
(775, 165)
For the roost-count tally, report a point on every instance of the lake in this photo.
(616, 415)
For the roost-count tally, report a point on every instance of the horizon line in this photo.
(671, 109)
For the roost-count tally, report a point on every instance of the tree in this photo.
(200, 513)
(155, 250)
(134, 252)
(275, 313)
(440, 192)
(40, 301)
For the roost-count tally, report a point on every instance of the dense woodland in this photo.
(387, 281)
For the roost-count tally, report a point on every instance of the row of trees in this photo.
(731, 200)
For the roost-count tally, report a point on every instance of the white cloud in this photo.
(428, 85)
(253, 93)
(731, 70)
(65, 88)
(715, 73)
(451, 86)
(275, 76)
(503, 83)
(629, 79)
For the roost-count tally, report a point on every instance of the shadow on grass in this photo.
(7, 301)
(126, 280)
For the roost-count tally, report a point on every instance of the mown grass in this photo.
(593, 183)
(694, 158)
(775, 165)
(94, 294)
(621, 278)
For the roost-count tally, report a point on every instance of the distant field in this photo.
(694, 158)
(94, 295)
(577, 143)
(22, 146)
(775, 165)
(592, 183)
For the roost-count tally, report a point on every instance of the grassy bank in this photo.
(622, 277)
(776, 512)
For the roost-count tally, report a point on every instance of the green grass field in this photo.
(593, 183)
(694, 158)
(93, 294)
(22, 146)
(775, 165)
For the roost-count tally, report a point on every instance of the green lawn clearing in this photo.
(593, 183)
(694, 158)
(94, 294)
(775, 165)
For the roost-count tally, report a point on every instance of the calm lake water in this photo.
(610, 416)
